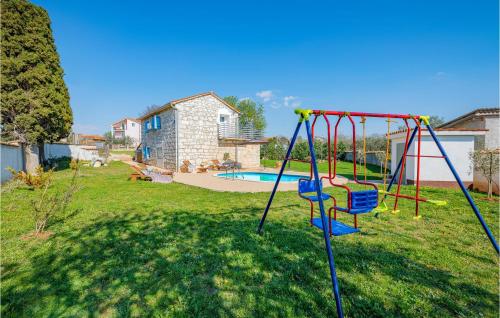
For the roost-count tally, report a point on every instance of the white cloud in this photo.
(266, 95)
(291, 101)
(439, 75)
(275, 105)
(243, 98)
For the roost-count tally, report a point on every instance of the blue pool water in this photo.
(261, 176)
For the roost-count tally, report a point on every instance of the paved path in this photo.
(209, 181)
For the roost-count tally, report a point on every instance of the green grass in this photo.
(344, 168)
(131, 153)
(170, 250)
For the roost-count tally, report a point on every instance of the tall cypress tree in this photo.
(34, 98)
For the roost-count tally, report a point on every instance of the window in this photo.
(133, 124)
(147, 125)
(145, 152)
(222, 119)
(156, 122)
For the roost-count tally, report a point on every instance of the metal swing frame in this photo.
(304, 118)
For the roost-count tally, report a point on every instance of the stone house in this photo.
(487, 119)
(481, 118)
(198, 128)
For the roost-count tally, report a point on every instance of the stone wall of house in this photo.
(162, 142)
(493, 134)
(197, 127)
(247, 154)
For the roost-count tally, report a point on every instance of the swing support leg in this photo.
(400, 163)
(326, 234)
(464, 190)
(282, 169)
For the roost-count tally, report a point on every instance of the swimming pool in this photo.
(261, 176)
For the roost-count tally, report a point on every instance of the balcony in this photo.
(232, 130)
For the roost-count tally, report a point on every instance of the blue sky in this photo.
(426, 57)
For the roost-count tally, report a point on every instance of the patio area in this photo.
(209, 180)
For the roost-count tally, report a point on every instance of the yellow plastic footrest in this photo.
(395, 211)
(438, 202)
(417, 217)
(380, 209)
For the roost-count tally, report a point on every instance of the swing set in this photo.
(371, 199)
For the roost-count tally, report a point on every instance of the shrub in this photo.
(46, 205)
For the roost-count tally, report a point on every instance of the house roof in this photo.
(92, 137)
(177, 101)
(476, 112)
(444, 131)
(126, 118)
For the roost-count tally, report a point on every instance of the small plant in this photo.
(380, 155)
(226, 156)
(39, 179)
(46, 205)
(486, 162)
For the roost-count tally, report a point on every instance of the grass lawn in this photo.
(344, 168)
(131, 153)
(170, 250)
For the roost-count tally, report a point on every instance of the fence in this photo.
(12, 156)
(371, 158)
(234, 130)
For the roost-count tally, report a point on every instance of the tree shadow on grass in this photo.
(191, 264)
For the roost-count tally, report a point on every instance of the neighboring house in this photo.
(481, 118)
(489, 120)
(127, 127)
(198, 128)
(434, 171)
(90, 140)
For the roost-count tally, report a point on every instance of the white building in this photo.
(127, 127)
(458, 143)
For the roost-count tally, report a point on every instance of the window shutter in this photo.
(158, 122)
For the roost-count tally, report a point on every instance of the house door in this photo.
(400, 148)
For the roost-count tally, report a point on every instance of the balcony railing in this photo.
(232, 130)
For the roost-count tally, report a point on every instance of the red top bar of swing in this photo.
(361, 114)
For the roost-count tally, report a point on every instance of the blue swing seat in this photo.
(309, 186)
(314, 198)
(361, 202)
(338, 228)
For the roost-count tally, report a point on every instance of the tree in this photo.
(34, 97)
(486, 162)
(300, 150)
(251, 112)
(108, 138)
(128, 141)
(275, 148)
(232, 100)
(436, 121)
(149, 109)
(341, 150)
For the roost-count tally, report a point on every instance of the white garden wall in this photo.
(11, 156)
